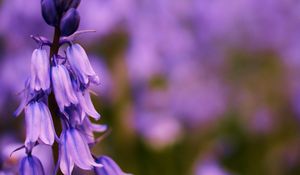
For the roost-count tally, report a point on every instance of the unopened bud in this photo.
(49, 12)
(70, 22)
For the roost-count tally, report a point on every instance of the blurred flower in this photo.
(210, 167)
(110, 167)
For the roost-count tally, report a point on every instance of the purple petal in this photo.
(79, 150)
(47, 129)
(110, 167)
(32, 117)
(87, 104)
(80, 63)
(40, 70)
(31, 165)
(66, 162)
(63, 90)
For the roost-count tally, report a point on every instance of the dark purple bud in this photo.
(69, 22)
(62, 5)
(75, 4)
(49, 12)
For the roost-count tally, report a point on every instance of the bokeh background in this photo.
(188, 87)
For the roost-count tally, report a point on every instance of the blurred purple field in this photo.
(187, 87)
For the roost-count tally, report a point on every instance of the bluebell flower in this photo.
(40, 70)
(110, 167)
(31, 165)
(86, 104)
(81, 65)
(87, 128)
(74, 149)
(62, 85)
(39, 123)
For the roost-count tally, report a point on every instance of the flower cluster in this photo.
(58, 89)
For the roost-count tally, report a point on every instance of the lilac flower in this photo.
(39, 123)
(81, 64)
(110, 167)
(40, 70)
(74, 150)
(71, 76)
(210, 167)
(62, 85)
(87, 128)
(31, 165)
(87, 105)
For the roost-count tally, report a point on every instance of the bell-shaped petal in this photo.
(39, 124)
(74, 149)
(86, 104)
(81, 65)
(63, 90)
(31, 165)
(66, 162)
(79, 150)
(110, 167)
(40, 70)
(88, 128)
(47, 132)
(33, 122)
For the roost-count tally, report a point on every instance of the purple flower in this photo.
(39, 123)
(40, 70)
(81, 65)
(87, 128)
(74, 150)
(31, 165)
(86, 104)
(62, 85)
(110, 167)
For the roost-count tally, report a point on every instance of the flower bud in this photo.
(62, 5)
(74, 3)
(69, 22)
(49, 12)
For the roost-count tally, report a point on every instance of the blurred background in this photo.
(188, 87)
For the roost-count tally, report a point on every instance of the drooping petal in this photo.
(63, 90)
(66, 162)
(110, 167)
(66, 82)
(40, 70)
(87, 104)
(47, 132)
(31, 165)
(80, 63)
(87, 128)
(33, 119)
(79, 150)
